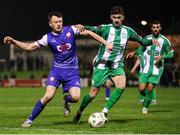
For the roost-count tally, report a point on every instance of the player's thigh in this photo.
(99, 77)
(49, 94)
(118, 77)
(109, 82)
(119, 81)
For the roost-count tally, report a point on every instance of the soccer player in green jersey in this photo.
(110, 64)
(152, 63)
(133, 70)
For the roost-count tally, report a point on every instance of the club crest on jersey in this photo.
(51, 79)
(64, 47)
(123, 35)
(68, 35)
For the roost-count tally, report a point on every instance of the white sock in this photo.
(105, 110)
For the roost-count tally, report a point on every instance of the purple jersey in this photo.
(63, 47)
(65, 66)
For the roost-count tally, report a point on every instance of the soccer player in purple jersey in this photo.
(65, 70)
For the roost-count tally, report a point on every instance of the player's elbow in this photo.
(30, 47)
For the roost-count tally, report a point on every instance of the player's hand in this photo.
(130, 55)
(109, 47)
(80, 27)
(156, 42)
(132, 71)
(158, 58)
(8, 40)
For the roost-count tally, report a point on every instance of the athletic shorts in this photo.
(68, 77)
(149, 78)
(100, 76)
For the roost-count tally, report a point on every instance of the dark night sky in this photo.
(27, 19)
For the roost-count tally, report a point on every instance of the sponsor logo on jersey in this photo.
(51, 79)
(68, 35)
(53, 40)
(64, 47)
(151, 52)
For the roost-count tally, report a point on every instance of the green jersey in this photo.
(118, 37)
(147, 55)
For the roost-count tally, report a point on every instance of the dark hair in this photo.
(155, 22)
(54, 13)
(117, 10)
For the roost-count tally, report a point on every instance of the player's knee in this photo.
(46, 99)
(93, 92)
(75, 98)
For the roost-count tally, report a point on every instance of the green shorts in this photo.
(100, 76)
(149, 78)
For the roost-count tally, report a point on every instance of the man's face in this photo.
(56, 24)
(155, 29)
(117, 19)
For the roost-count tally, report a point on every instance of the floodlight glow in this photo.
(143, 22)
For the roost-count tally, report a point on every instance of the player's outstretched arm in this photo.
(137, 63)
(25, 46)
(109, 46)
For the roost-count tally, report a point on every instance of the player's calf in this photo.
(66, 106)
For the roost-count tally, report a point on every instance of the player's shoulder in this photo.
(128, 28)
(67, 27)
(106, 25)
(149, 37)
(163, 37)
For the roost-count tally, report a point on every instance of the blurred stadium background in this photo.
(21, 70)
(31, 68)
(25, 24)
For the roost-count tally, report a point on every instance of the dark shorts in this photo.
(67, 77)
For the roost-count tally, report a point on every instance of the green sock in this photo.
(142, 96)
(148, 99)
(116, 94)
(86, 100)
(154, 94)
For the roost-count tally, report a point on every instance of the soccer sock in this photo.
(68, 99)
(148, 99)
(154, 94)
(116, 94)
(86, 100)
(107, 92)
(142, 96)
(143, 93)
(37, 110)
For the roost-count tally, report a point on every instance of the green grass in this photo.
(125, 117)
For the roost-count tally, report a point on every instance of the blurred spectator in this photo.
(176, 77)
(31, 76)
(5, 77)
(20, 63)
(41, 63)
(30, 63)
(12, 64)
(37, 63)
(12, 79)
(44, 80)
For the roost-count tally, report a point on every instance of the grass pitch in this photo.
(125, 117)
